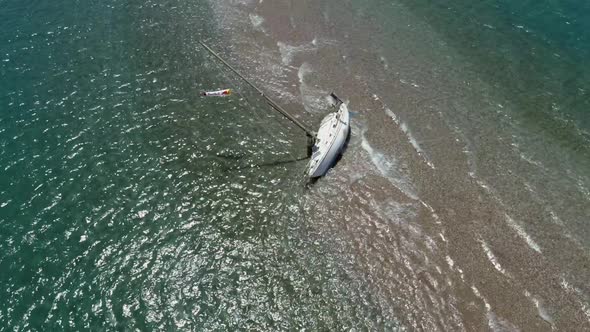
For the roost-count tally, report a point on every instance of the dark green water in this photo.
(127, 201)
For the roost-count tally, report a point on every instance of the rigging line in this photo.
(269, 164)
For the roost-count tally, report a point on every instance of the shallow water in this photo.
(493, 200)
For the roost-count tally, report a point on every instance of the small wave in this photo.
(583, 189)
(553, 217)
(495, 322)
(398, 213)
(313, 99)
(378, 159)
(478, 295)
(384, 62)
(54, 202)
(257, 22)
(432, 213)
(450, 262)
(77, 136)
(522, 233)
(404, 128)
(541, 310)
(499, 324)
(493, 259)
(289, 52)
(566, 286)
(392, 115)
(467, 149)
(511, 222)
(386, 167)
(406, 82)
(415, 144)
(530, 160)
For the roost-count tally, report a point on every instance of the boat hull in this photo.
(330, 141)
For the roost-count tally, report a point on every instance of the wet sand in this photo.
(442, 228)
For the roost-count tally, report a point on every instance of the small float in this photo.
(218, 93)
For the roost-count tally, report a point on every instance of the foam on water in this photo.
(540, 308)
(390, 114)
(384, 62)
(289, 52)
(313, 98)
(582, 187)
(493, 259)
(495, 323)
(450, 262)
(388, 168)
(257, 22)
(378, 159)
(405, 129)
(498, 324)
(414, 142)
(528, 158)
(582, 299)
(522, 233)
(553, 217)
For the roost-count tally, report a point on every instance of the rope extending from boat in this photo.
(310, 133)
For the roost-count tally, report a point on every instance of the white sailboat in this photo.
(330, 140)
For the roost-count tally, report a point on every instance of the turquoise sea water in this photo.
(127, 201)
(535, 51)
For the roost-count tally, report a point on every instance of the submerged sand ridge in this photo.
(433, 212)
